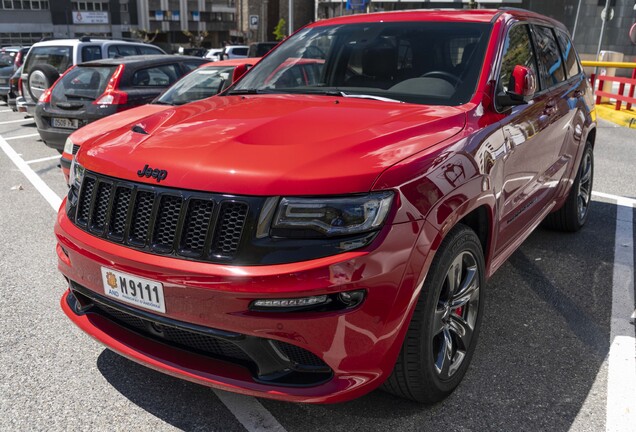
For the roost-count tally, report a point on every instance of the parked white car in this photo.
(48, 59)
(234, 52)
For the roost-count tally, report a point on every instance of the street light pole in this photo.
(576, 20)
(291, 17)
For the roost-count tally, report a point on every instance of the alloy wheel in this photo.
(585, 186)
(455, 315)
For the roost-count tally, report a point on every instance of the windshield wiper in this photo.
(246, 91)
(160, 102)
(338, 93)
(367, 96)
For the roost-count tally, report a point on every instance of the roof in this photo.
(444, 15)
(75, 42)
(145, 59)
(463, 15)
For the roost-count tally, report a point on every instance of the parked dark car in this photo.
(11, 58)
(206, 81)
(259, 49)
(13, 94)
(48, 59)
(93, 90)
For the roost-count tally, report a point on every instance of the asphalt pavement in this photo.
(541, 361)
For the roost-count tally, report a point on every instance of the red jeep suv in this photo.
(310, 236)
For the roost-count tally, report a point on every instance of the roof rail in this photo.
(85, 39)
(508, 8)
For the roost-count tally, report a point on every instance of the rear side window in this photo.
(60, 57)
(571, 63)
(122, 51)
(239, 51)
(158, 76)
(93, 52)
(550, 65)
(145, 50)
(82, 83)
(517, 51)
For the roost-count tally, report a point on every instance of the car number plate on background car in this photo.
(64, 123)
(144, 293)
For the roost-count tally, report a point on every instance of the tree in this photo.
(196, 39)
(279, 30)
(145, 35)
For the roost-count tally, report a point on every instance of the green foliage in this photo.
(279, 30)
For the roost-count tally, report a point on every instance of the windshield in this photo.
(198, 84)
(415, 62)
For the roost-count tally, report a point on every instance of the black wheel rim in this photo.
(585, 186)
(456, 315)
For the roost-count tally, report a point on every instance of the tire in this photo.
(574, 213)
(41, 78)
(420, 374)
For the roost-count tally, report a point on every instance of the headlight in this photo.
(298, 217)
(68, 146)
(76, 174)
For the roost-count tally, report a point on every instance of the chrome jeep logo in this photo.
(154, 173)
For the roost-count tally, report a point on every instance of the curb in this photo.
(622, 118)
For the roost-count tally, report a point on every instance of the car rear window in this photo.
(82, 83)
(199, 84)
(60, 57)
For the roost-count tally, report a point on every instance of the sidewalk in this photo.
(626, 118)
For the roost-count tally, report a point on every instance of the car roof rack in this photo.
(509, 8)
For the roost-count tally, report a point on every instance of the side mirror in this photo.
(240, 70)
(522, 86)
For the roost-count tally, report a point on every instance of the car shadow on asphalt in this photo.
(544, 338)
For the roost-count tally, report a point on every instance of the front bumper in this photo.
(358, 346)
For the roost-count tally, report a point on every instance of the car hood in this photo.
(272, 144)
(98, 128)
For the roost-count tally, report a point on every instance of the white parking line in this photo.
(21, 136)
(43, 159)
(48, 194)
(628, 201)
(621, 374)
(17, 121)
(249, 411)
(1, 111)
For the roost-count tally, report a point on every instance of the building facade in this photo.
(257, 19)
(209, 22)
